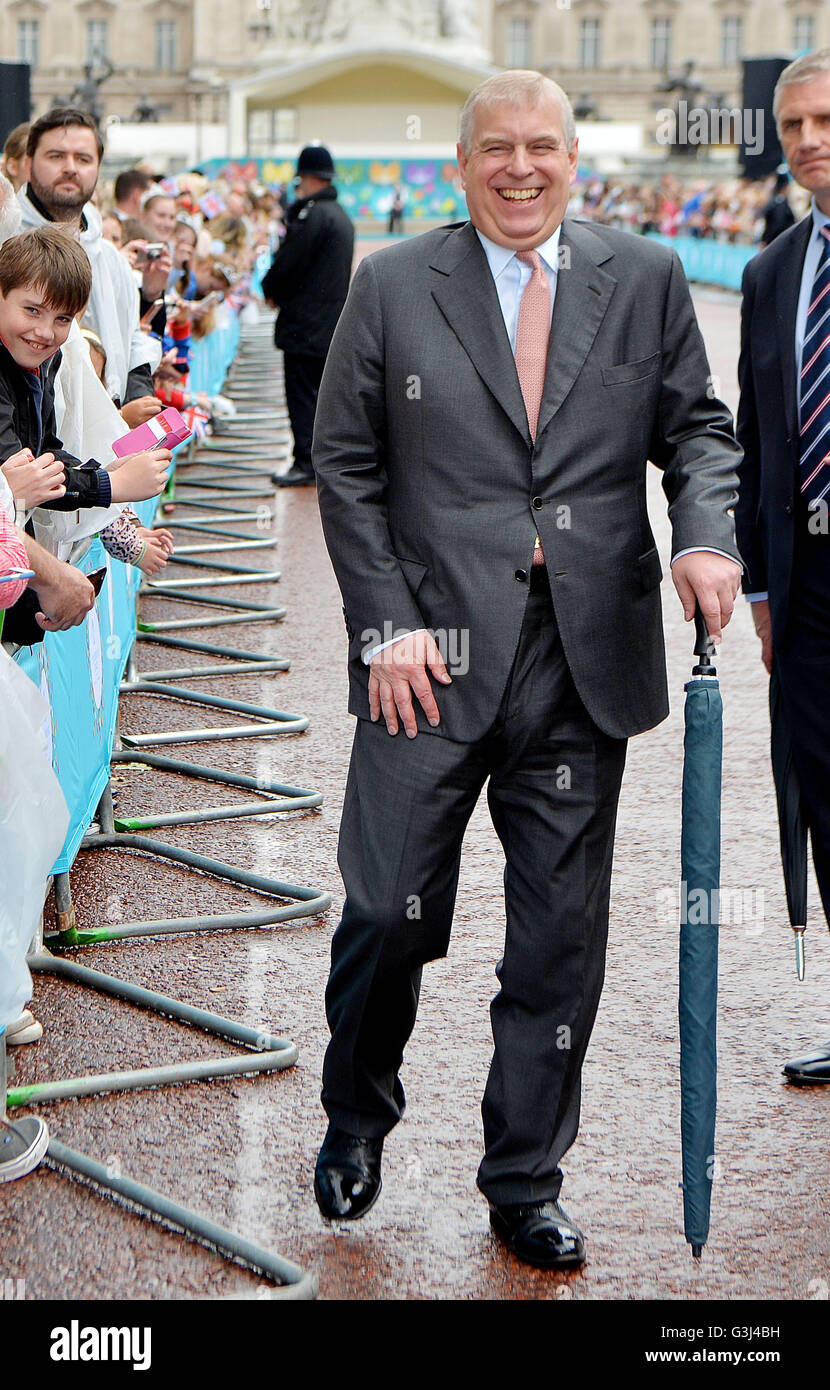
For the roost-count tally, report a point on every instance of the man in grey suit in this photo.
(492, 395)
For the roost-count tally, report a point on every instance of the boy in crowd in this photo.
(45, 281)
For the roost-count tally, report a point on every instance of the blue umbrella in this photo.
(700, 892)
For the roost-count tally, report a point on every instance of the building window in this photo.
(659, 47)
(97, 40)
(28, 41)
(518, 43)
(271, 127)
(731, 41)
(165, 44)
(804, 32)
(589, 43)
(284, 124)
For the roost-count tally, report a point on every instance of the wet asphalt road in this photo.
(243, 1150)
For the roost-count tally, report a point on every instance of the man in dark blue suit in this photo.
(784, 427)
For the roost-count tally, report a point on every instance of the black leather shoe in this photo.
(540, 1233)
(811, 1070)
(347, 1176)
(295, 477)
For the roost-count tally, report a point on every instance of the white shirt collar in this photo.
(499, 257)
(820, 219)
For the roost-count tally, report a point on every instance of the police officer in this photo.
(308, 282)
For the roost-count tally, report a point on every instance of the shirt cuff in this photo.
(367, 656)
(707, 550)
(757, 598)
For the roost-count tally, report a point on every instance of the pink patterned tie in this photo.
(532, 333)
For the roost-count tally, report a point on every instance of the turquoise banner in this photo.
(79, 672)
(710, 262)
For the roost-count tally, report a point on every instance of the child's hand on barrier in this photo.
(156, 554)
(140, 476)
(34, 480)
(160, 533)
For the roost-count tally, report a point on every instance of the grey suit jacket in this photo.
(431, 490)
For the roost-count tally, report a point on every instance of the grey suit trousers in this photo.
(554, 781)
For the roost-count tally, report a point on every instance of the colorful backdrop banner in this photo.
(430, 188)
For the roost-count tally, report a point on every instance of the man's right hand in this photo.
(399, 672)
(67, 596)
(34, 480)
(763, 627)
(139, 411)
(140, 476)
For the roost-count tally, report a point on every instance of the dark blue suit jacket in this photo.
(767, 427)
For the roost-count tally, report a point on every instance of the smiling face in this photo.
(518, 172)
(804, 128)
(63, 170)
(32, 330)
(160, 217)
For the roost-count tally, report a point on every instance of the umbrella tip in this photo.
(697, 1251)
(799, 951)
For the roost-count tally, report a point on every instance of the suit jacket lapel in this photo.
(787, 291)
(583, 293)
(466, 296)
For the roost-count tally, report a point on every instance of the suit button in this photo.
(521, 575)
(537, 504)
(788, 510)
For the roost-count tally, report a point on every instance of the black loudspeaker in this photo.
(761, 151)
(15, 97)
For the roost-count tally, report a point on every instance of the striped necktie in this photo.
(815, 383)
(532, 333)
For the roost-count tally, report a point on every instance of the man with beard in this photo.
(63, 158)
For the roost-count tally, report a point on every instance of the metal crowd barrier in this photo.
(261, 1052)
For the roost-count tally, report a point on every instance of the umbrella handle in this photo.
(704, 647)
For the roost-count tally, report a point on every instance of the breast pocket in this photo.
(626, 372)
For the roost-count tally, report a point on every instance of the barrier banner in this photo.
(710, 262)
(78, 673)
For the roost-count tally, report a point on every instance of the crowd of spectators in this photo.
(731, 210)
(146, 267)
(103, 292)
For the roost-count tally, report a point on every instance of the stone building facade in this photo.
(183, 57)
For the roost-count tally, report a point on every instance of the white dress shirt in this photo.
(511, 275)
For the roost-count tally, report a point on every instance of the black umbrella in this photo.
(700, 895)
(792, 822)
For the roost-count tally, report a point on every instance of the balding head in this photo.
(517, 87)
